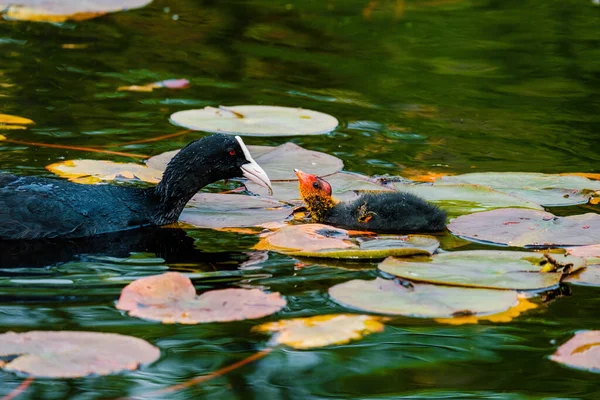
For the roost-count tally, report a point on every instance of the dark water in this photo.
(445, 85)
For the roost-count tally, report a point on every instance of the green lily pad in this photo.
(590, 276)
(582, 351)
(421, 300)
(73, 354)
(323, 241)
(344, 186)
(462, 199)
(256, 120)
(528, 228)
(492, 269)
(545, 189)
(212, 210)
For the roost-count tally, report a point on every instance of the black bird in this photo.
(41, 208)
(374, 211)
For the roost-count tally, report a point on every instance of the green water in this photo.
(450, 86)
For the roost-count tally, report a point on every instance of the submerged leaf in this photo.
(421, 300)
(73, 354)
(94, 171)
(522, 228)
(63, 10)
(321, 330)
(256, 120)
(211, 210)
(171, 298)
(492, 269)
(323, 241)
(582, 351)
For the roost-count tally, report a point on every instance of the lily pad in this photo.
(73, 354)
(323, 241)
(582, 351)
(590, 276)
(518, 270)
(421, 300)
(211, 210)
(278, 162)
(63, 10)
(321, 330)
(344, 186)
(545, 189)
(528, 228)
(12, 122)
(94, 171)
(256, 120)
(505, 316)
(171, 298)
(462, 199)
(160, 161)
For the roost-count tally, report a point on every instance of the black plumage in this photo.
(43, 208)
(374, 211)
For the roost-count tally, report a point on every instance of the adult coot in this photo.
(40, 208)
(374, 211)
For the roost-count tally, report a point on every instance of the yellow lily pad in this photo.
(94, 171)
(321, 330)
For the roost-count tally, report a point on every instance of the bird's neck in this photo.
(319, 207)
(176, 189)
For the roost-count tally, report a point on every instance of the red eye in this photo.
(232, 152)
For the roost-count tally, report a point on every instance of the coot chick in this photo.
(41, 208)
(374, 211)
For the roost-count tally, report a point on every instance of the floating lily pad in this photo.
(528, 228)
(12, 122)
(590, 276)
(211, 210)
(344, 186)
(62, 10)
(73, 354)
(545, 189)
(94, 171)
(462, 199)
(321, 330)
(421, 300)
(317, 240)
(591, 251)
(492, 269)
(149, 87)
(278, 162)
(505, 316)
(171, 298)
(256, 120)
(582, 351)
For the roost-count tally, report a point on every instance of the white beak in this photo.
(252, 170)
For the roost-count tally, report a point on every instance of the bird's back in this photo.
(38, 208)
(388, 212)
